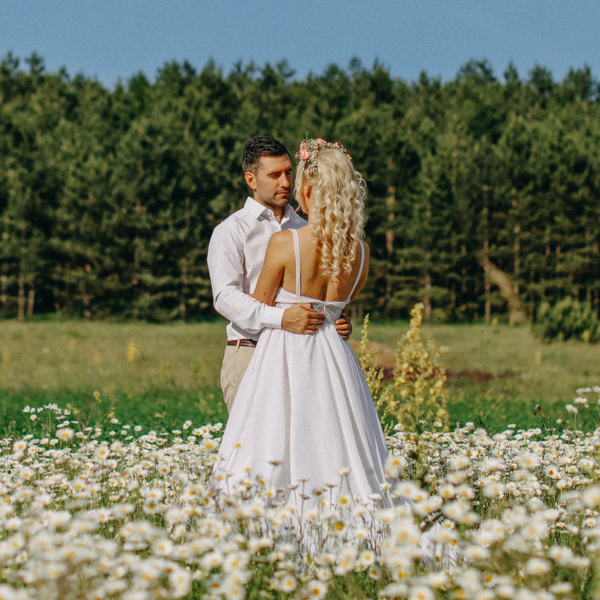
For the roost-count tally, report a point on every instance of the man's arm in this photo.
(226, 267)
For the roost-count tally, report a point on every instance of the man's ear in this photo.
(250, 178)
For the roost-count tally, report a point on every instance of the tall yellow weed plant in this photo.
(421, 401)
(417, 400)
(382, 394)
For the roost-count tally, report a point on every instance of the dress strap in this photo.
(362, 263)
(297, 254)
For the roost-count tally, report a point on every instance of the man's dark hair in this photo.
(259, 146)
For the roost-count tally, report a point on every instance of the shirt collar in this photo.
(258, 210)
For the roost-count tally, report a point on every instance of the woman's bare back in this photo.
(314, 283)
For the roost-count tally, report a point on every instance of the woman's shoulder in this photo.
(281, 243)
(365, 248)
(280, 239)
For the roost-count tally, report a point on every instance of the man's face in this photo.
(272, 182)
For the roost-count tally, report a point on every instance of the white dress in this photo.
(304, 404)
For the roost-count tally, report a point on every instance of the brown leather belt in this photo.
(245, 343)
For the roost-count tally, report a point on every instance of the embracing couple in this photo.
(299, 406)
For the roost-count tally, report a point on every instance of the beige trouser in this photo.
(235, 363)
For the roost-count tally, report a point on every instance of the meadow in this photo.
(109, 494)
(461, 515)
(162, 375)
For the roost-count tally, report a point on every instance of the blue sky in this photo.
(109, 39)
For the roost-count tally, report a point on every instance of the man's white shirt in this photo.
(236, 253)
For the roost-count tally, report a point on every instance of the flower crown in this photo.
(309, 148)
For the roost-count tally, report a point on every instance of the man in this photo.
(235, 258)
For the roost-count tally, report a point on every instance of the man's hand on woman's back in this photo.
(344, 325)
(301, 318)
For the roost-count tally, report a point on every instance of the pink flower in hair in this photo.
(304, 151)
(309, 150)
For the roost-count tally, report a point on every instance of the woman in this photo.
(303, 411)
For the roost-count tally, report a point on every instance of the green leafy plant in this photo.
(568, 319)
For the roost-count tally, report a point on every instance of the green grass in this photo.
(80, 356)
(174, 378)
(506, 371)
(157, 409)
(512, 354)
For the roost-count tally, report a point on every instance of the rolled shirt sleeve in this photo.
(226, 268)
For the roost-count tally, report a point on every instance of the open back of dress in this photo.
(331, 310)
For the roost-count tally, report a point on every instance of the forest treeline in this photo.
(108, 196)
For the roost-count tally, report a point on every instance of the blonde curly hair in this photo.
(338, 216)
